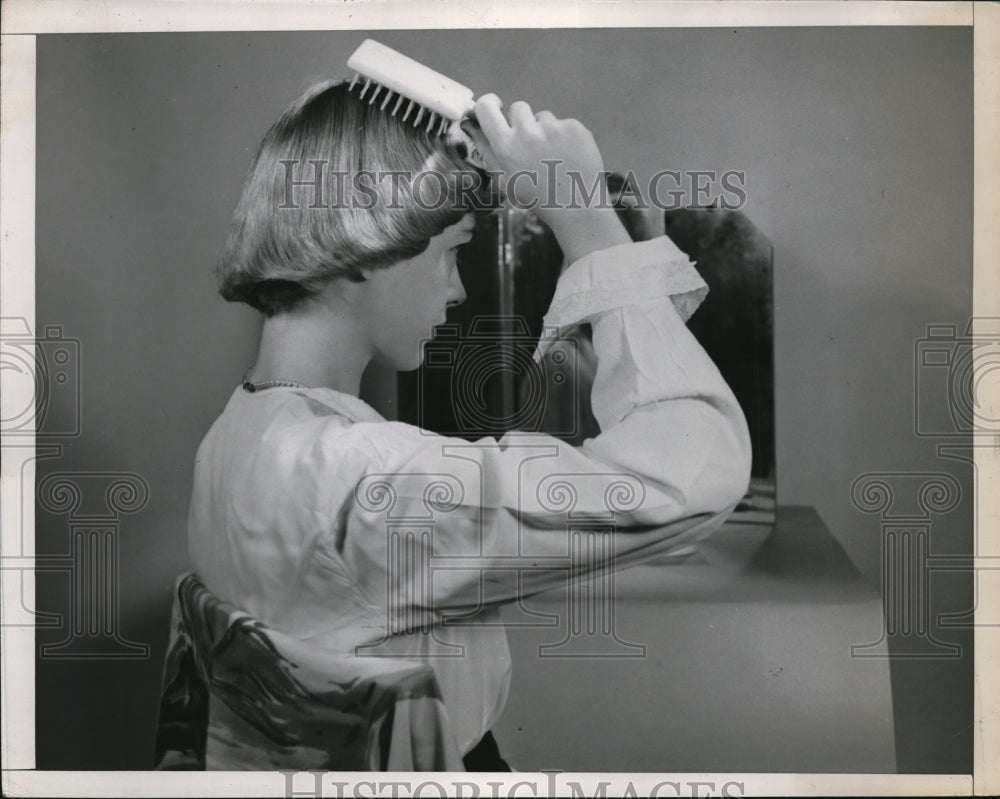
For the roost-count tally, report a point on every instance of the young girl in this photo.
(297, 481)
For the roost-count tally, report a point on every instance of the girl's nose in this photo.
(456, 291)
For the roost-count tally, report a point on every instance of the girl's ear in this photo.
(342, 291)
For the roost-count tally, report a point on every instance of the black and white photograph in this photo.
(593, 400)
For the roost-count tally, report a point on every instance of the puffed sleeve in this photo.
(439, 524)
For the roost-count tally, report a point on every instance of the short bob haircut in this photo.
(340, 185)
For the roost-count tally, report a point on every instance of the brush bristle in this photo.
(376, 91)
(435, 98)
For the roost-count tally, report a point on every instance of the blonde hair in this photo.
(320, 200)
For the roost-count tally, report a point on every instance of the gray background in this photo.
(857, 149)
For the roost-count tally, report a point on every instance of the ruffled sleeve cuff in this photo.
(622, 276)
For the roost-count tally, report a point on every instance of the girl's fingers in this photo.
(545, 116)
(491, 119)
(522, 118)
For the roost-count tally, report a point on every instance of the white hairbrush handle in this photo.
(395, 80)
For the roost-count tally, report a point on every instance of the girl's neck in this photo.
(314, 347)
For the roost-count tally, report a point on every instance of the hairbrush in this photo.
(400, 84)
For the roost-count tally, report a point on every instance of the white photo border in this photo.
(23, 19)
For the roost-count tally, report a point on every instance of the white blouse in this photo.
(362, 536)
